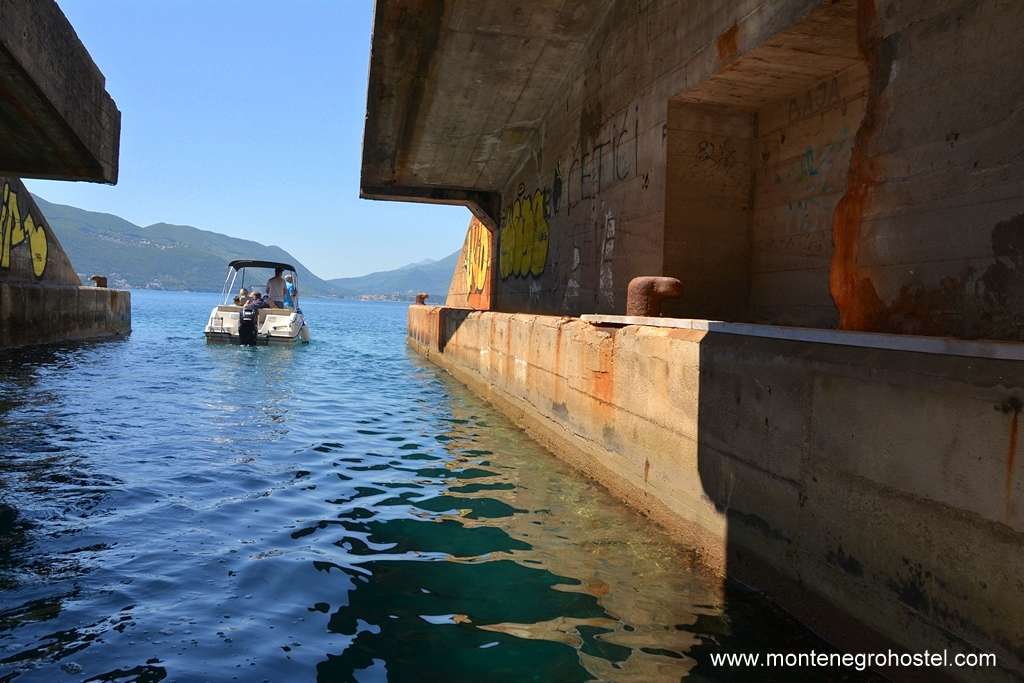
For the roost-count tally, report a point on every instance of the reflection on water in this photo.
(341, 511)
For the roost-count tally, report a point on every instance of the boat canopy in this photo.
(246, 263)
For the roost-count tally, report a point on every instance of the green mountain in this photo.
(432, 277)
(181, 257)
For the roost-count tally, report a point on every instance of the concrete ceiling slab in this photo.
(458, 88)
(824, 43)
(56, 118)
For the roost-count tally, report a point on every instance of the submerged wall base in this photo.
(33, 314)
(875, 494)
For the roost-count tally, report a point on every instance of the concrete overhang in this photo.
(457, 91)
(56, 118)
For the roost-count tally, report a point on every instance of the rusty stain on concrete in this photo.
(1011, 407)
(727, 43)
(855, 297)
(969, 304)
(603, 378)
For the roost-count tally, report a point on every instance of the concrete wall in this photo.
(600, 159)
(37, 314)
(876, 494)
(905, 215)
(709, 184)
(802, 161)
(931, 241)
(41, 297)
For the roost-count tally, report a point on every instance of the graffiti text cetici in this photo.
(610, 156)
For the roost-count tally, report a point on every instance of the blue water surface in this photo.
(172, 510)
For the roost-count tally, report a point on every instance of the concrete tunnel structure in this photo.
(830, 411)
(57, 121)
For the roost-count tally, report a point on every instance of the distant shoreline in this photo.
(318, 297)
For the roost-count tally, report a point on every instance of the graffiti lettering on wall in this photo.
(611, 155)
(611, 158)
(477, 256)
(810, 177)
(823, 96)
(16, 230)
(722, 153)
(524, 234)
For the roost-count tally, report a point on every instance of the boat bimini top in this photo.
(239, 265)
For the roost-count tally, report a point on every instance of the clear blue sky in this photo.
(246, 117)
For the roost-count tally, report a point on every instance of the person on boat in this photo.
(243, 297)
(275, 289)
(259, 301)
(291, 294)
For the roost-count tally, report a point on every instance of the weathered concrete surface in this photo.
(32, 314)
(56, 118)
(876, 494)
(457, 91)
(41, 300)
(853, 164)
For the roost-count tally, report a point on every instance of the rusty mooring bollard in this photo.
(421, 299)
(98, 280)
(645, 294)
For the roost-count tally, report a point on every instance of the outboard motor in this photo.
(248, 318)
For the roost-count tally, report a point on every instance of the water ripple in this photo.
(341, 511)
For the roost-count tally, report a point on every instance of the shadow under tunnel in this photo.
(842, 473)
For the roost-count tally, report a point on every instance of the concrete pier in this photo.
(872, 492)
(42, 300)
(57, 122)
(33, 314)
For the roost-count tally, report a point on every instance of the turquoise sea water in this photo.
(339, 511)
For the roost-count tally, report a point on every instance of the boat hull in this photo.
(274, 327)
(260, 340)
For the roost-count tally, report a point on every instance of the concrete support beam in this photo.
(457, 91)
(486, 206)
(56, 119)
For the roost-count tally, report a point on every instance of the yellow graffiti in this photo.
(524, 236)
(14, 230)
(477, 256)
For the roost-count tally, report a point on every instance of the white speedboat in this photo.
(234, 323)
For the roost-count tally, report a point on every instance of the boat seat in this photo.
(273, 311)
(229, 309)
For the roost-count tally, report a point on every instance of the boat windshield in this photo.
(251, 279)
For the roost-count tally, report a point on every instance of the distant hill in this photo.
(432, 277)
(166, 256)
